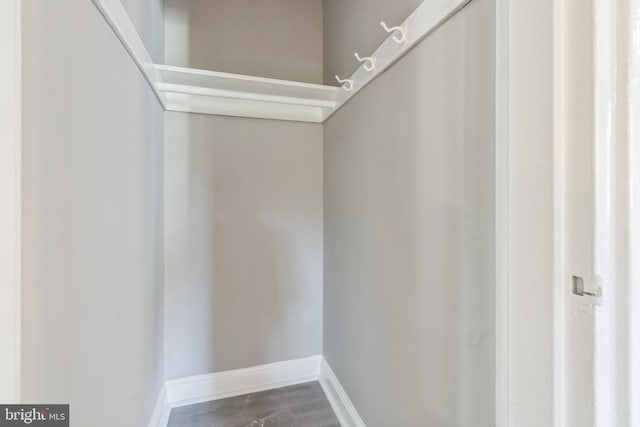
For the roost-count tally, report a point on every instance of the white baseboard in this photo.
(203, 388)
(219, 385)
(161, 410)
(340, 402)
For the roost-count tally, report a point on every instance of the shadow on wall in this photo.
(269, 38)
(92, 260)
(243, 207)
(178, 43)
(243, 242)
(409, 234)
(353, 26)
(148, 18)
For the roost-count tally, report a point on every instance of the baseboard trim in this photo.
(219, 385)
(160, 409)
(203, 388)
(338, 398)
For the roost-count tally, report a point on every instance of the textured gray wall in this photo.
(243, 242)
(268, 38)
(409, 232)
(354, 26)
(92, 301)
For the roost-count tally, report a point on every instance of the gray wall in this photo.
(92, 302)
(409, 232)
(243, 266)
(243, 242)
(268, 38)
(354, 26)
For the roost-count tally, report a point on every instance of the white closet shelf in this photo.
(211, 92)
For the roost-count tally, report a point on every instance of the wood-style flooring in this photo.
(302, 405)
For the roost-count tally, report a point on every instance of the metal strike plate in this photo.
(588, 286)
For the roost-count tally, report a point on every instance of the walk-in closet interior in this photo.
(229, 197)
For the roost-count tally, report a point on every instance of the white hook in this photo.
(347, 84)
(401, 30)
(369, 62)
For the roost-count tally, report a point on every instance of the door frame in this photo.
(10, 198)
(537, 113)
(527, 214)
(617, 113)
(632, 47)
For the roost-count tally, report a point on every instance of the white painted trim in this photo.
(243, 96)
(345, 411)
(426, 18)
(241, 82)
(526, 185)
(119, 21)
(283, 100)
(10, 198)
(241, 108)
(219, 385)
(559, 300)
(161, 410)
(211, 92)
(605, 397)
(617, 112)
(632, 51)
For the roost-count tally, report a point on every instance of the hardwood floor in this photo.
(302, 405)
